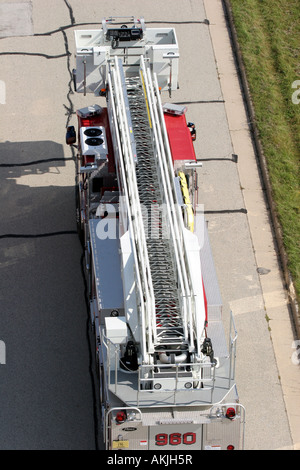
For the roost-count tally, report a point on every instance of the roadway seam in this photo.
(38, 235)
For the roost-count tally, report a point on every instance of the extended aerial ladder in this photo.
(173, 311)
(154, 300)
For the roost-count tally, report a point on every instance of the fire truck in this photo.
(166, 368)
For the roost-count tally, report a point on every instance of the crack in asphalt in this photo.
(37, 54)
(98, 23)
(70, 109)
(72, 18)
(38, 235)
(35, 162)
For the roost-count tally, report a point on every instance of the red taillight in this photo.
(230, 413)
(120, 417)
(230, 447)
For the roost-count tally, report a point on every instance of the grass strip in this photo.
(269, 38)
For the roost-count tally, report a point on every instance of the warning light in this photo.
(230, 413)
(120, 417)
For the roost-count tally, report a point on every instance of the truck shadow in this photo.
(46, 393)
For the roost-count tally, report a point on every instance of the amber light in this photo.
(230, 413)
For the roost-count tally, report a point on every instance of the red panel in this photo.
(182, 147)
(101, 120)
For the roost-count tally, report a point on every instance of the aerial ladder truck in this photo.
(166, 371)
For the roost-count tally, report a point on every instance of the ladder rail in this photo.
(194, 318)
(138, 279)
(174, 232)
(174, 216)
(137, 220)
(167, 302)
(126, 161)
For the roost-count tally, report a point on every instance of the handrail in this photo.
(203, 372)
(178, 367)
(197, 376)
